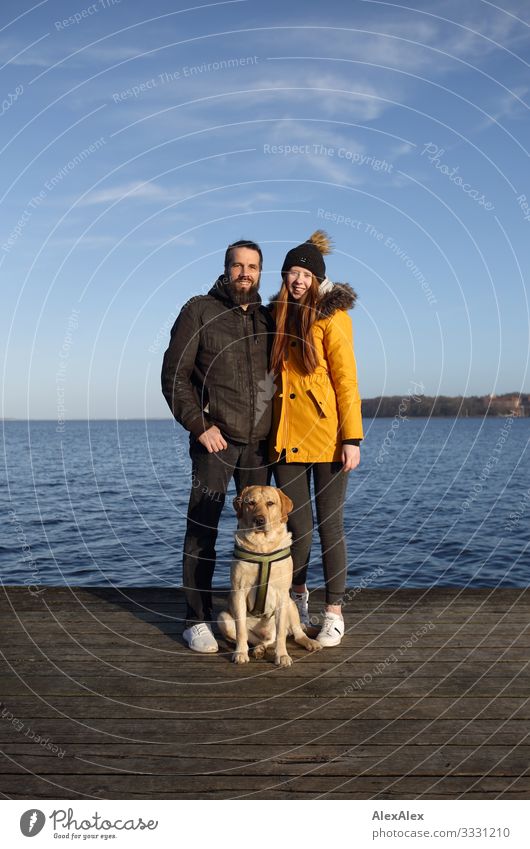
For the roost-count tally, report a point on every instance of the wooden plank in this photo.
(254, 677)
(345, 674)
(263, 686)
(386, 615)
(397, 599)
(400, 628)
(303, 664)
(369, 600)
(164, 593)
(275, 760)
(257, 674)
(86, 706)
(353, 641)
(293, 731)
(273, 795)
(356, 617)
(171, 787)
(161, 659)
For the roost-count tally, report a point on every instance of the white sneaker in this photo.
(200, 638)
(332, 630)
(302, 603)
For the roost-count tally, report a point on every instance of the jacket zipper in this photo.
(285, 391)
(250, 374)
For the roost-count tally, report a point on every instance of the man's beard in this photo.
(247, 296)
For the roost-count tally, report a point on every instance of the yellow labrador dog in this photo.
(260, 609)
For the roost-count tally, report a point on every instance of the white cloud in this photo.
(506, 106)
(84, 242)
(13, 52)
(325, 92)
(135, 191)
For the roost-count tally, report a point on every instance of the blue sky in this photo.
(139, 139)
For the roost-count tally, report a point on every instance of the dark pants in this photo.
(211, 474)
(330, 489)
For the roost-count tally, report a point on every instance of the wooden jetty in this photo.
(426, 698)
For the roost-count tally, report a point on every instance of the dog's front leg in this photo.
(281, 657)
(239, 603)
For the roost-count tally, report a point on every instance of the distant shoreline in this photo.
(509, 405)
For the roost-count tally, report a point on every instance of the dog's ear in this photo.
(237, 505)
(238, 502)
(286, 504)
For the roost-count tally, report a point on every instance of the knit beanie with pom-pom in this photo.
(310, 255)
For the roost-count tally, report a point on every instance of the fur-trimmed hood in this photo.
(340, 297)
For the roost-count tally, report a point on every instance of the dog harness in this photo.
(265, 561)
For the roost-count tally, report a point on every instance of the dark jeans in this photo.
(211, 474)
(330, 489)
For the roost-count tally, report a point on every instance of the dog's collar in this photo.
(264, 561)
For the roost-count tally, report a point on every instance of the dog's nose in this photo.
(259, 520)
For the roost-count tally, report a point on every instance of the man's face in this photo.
(243, 274)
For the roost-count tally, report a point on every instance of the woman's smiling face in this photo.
(298, 281)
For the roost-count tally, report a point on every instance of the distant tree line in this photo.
(388, 406)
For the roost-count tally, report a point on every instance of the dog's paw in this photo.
(258, 652)
(283, 660)
(308, 644)
(240, 657)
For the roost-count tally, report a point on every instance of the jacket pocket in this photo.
(319, 403)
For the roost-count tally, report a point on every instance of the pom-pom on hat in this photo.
(310, 255)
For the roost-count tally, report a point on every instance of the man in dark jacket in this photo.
(216, 381)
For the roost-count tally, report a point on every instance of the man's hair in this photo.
(243, 243)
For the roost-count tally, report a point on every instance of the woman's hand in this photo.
(351, 457)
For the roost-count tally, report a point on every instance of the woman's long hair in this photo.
(294, 320)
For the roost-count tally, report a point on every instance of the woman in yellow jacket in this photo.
(317, 426)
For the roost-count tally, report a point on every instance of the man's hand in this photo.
(351, 457)
(213, 440)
